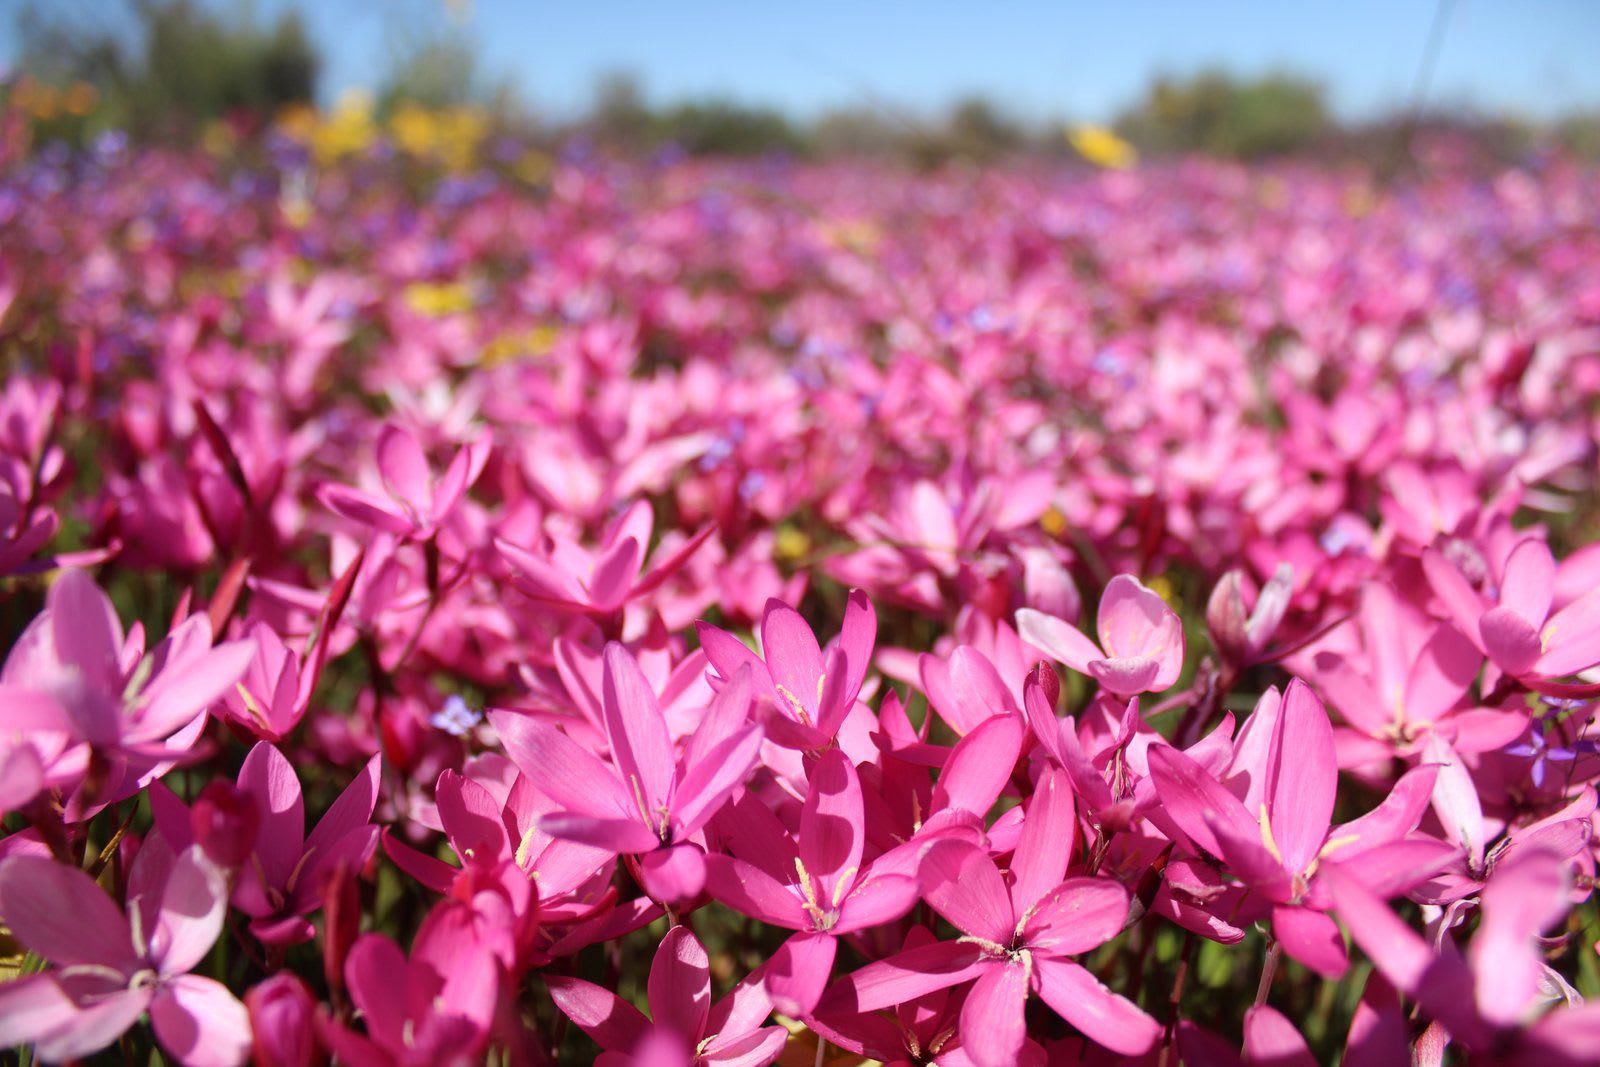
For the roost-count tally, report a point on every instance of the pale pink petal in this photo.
(1528, 583)
(404, 469)
(1441, 674)
(58, 912)
(1057, 639)
(201, 1023)
(1510, 640)
(1571, 638)
(193, 906)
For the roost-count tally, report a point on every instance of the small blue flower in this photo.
(455, 718)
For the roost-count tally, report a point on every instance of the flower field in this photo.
(733, 613)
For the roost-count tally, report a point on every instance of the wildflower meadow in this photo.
(465, 602)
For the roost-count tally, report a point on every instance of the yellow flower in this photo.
(791, 543)
(437, 299)
(1101, 147)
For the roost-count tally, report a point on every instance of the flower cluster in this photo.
(728, 614)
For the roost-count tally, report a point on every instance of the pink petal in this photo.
(1528, 583)
(1271, 1039)
(619, 835)
(729, 711)
(404, 469)
(749, 890)
(792, 655)
(962, 884)
(1441, 675)
(1040, 861)
(857, 635)
(906, 976)
(980, 766)
(708, 783)
(832, 827)
(797, 973)
(615, 1024)
(58, 912)
(1103, 1016)
(992, 1024)
(1080, 914)
(1135, 622)
(563, 770)
(97, 1024)
(270, 779)
(201, 1023)
(1057, 639)
(673, 875)
(1451, 586)
(33, 1007)
(1521, 901)
(880, 898)
(377, 975)
(641, 747)
(1128, 675)
(366, 509)
(1302, 777)
(352, 809)
(472, 819)
(193, 906)
(1572, 637)
(614, 573)
(680, 984)
(1455, 799)
(757, 1049)
(1189, 794)
(1391, 820)
(1379, 1032)
(1312, 938)
(1399, 866)
(1510, 640)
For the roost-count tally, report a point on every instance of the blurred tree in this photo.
(1215, 113)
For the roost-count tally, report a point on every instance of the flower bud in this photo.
(282, 1011)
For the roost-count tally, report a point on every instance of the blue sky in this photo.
(1068, 58)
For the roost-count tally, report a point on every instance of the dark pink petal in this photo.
(834, 701)
(1248, 858)
(708, 783)
(992, 1024)
(1379, 1032)
(1040, 861)
(832, 828)
(673, 875)
(1271, 1040)
(1312, 938)
(431, 872)
(793, 656)
(798, 972)
(201, 1023)
(1302, 777)
(906, 976)
(58, 912)
(269, 778)
(377, 975)
(857, 635)
(962, 884)
(641, 747)
(1080, 914)
(614, 573)
(620, 835)
(749, 890)
(1563, 1038)
(472, 819)
(1189, 795)
(980, 766)
(1103, 1016)
(727, 654)
(615, 1025)
(351, 811)
(563, 770)
(680, 984)
(879, 899)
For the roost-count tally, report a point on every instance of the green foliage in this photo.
(1218, 114)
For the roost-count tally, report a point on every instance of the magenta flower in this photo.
(1280, 851)
(282, 880)
(817, 885)
(112, 966)
(684, 1029)
(1017, 937)
(1515, 626)
(804, 695)
(648, 802)
(412, 505)
(1141, 639)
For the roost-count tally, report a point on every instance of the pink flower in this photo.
(283, 1021)
(1017, 937)
(1141, 639)
(412, 504)
(648, 802)
(282, 880)
(818, 885)
(114, 966)
(684, 1029)
(804, 694)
